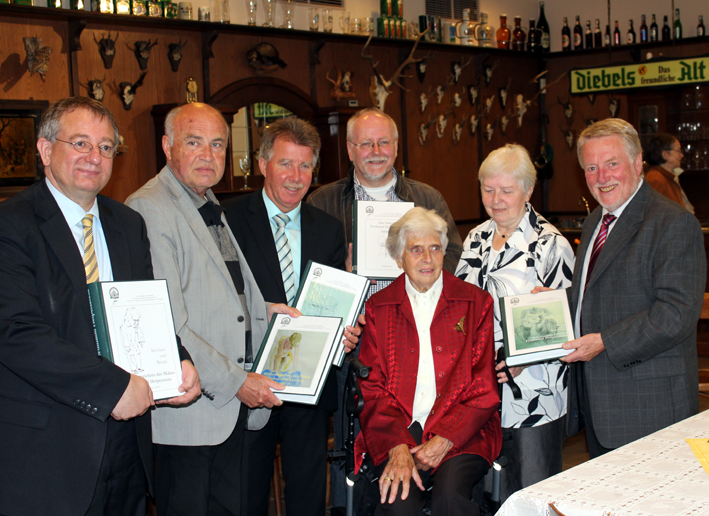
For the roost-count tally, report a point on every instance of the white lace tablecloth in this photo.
(657, 475)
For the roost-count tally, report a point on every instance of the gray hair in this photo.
(417, 221)
(612, 127)
(293, 130)
(369, 111)
(513, 160)
(51, 122)
(174, 113)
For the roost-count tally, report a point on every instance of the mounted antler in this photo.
(379, 86)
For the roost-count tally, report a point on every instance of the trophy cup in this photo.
(245, 166)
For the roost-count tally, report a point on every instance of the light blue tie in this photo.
(285, 257)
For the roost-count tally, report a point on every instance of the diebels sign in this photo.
(640, 75)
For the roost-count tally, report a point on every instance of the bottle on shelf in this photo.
(578, 35)
(630, 36)
(465, 29)
(701, 31)
(483, 31)
(643, 30)
(597, 36)
(607, 36)
(588, 35)
(518, 35)
(654, 31)
(54, 4)
(678, 26)
(533, 38)
(666, 32)
(543, 28)
(503, 33)
(565, 36)
(616, 34)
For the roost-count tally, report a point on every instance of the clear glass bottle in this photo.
(578, 35)
(630, 36)
(654, 31)
(565, 36)
(518, 35)
(543, 28)
(503, 33)
(484, 32)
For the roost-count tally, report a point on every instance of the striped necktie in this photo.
(285, 257)
(90, 261)
(598, 244)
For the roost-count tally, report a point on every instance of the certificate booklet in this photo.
(298, 352)
(372, 220)
(535, 326)
(134, 330)
(329, 292)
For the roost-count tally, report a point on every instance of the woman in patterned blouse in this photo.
(512, 253)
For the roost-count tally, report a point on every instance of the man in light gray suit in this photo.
(218, 312)
(636, 295)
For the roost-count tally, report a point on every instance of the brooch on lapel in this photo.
(461, 325)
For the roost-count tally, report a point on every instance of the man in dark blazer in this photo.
(75, 433)
(636, 296)
(289, 150)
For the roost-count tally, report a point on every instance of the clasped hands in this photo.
(404, 463)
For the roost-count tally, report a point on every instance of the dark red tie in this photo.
(598, 244)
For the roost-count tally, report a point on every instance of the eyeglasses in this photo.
(382, 144)
(106, 150)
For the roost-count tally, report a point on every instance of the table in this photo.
(657, 475)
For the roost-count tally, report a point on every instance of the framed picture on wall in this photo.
(20, 164)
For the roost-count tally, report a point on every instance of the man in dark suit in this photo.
(289, 150)
(636, 295)
(74, 437)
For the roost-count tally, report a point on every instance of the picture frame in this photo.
(20, 164)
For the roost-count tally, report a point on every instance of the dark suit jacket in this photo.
(321, 241)
(56, 393)
(644, 297)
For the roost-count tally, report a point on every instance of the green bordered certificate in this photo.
(535, 326)
(329, 292)
(298, 353)
(372, 220)
(134, 330)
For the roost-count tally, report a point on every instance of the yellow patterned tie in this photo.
(90, 261)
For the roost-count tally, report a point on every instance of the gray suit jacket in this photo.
(208, 315)
(644, 297)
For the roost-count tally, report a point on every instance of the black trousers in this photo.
(303, 431)
(452, 490)
(595, 449)
(122, 488)
(201, 480)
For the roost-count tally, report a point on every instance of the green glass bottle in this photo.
(678, 26)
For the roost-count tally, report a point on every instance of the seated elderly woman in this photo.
(512, 253)
(430, 412)
(663, 156)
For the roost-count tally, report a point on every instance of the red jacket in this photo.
(465, 411)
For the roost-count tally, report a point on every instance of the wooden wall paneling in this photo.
(343, 56)
(15, 80)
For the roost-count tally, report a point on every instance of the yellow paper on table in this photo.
(700, 447)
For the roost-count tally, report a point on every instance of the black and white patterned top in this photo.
(535, 254)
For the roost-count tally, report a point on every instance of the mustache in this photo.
(294, 186)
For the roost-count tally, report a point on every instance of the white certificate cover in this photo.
(535, 326)
(329, 292)
(138, 319)
(372, 220)
(298, 352)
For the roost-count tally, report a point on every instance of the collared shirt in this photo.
(423, 306)
(293, 232)
(361, 194)
(618, 212)
(73, 213)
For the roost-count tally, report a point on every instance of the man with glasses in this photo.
(372, 145)
(75, 439)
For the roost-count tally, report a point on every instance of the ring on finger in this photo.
(389, 479)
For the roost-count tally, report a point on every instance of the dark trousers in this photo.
(121, 489)
(452, 482)
(201, 480)
(595, 449)
(303, 432)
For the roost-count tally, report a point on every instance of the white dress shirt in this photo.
(424, 307)
(73, 213)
